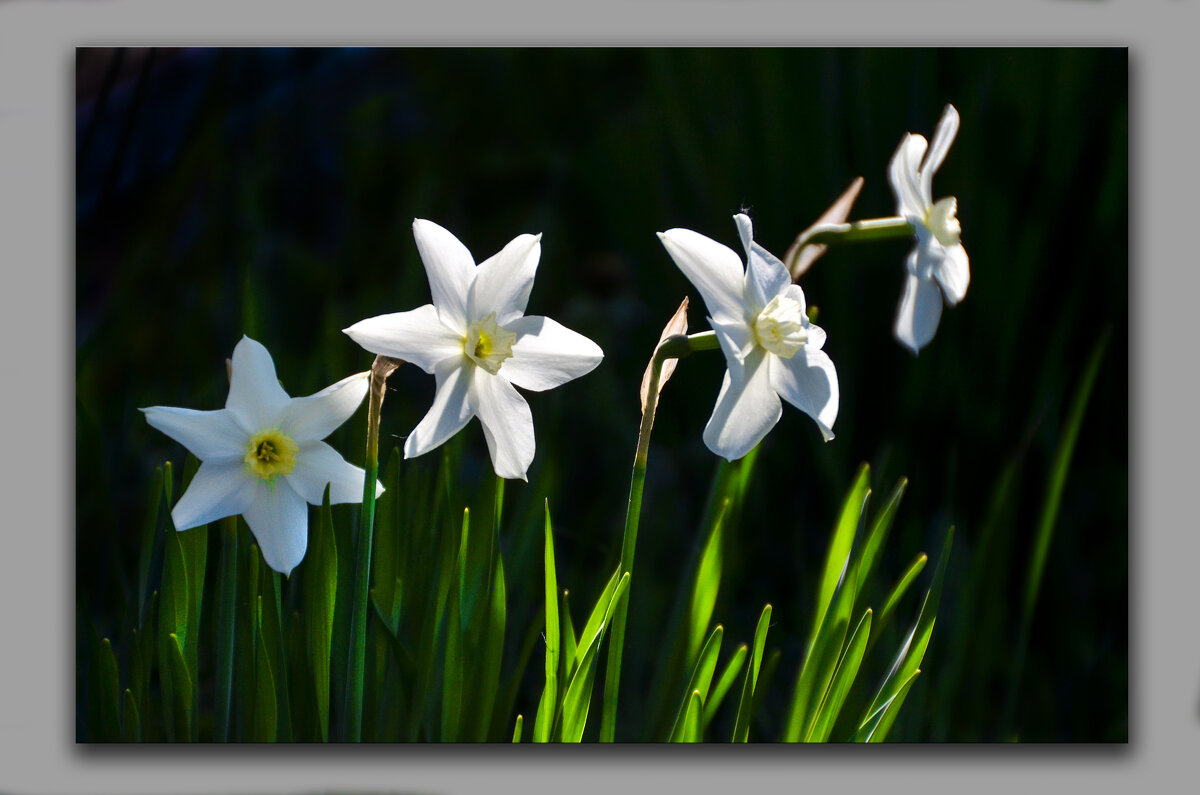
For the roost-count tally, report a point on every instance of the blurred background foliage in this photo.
(271, 193)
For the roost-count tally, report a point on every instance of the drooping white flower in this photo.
(937, 266)
(771, 348)
(262, 455)
(476, 341)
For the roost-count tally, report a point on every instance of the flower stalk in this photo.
(674, 347)
(383, 367)
(868, 231)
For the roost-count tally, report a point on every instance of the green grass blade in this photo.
(813, 678)
(386, 557)
(578, 695)
(516, 738)
(272, 632)
(454, 673)
(691, 730)
(110, 693)
(847, 670)
(741, 729)
(599, 615)
(865, 564)
(702, 675)
(908, 659)
(131, 722)
(227, 579)
(264, 720)
(840, 545)
(493, 651)
(877, 725)
(706, 585)
(896, 594)
(181, 690)
(320, 594)
(548, 705)
(568, 638)
(724, 683)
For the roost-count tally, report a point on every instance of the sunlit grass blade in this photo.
(131, 721)
(908, 659)
(516, 737)
(741, 729)
(840, 545)
(569, 640)
(692, 730)
(548, 705)
(578, 693)
(706, 585)
(453, 669)
(493, 650)
(227, 580)
(702, 675)
(847, 670)
(724, 682)
(865, 563)
(878, 723)
(320, 593)
(813, 679)
(895, 595)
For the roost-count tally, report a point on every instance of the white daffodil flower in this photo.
(772, 350)
(476, 341)
(937, 266)
(262, 455)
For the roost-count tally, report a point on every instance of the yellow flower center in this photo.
(487, 344)
(780, 327)
(271, 453)
(941, 221)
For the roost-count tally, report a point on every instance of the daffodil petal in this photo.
(953, 274)
(507, 424)
(766, 277)
(452, 409)
(278, 518)
(713, 268)
(210, 435)
(809, 382)
(918, 314)
(904, 178)
(418, 336)
(736, 339)
(503, 281)
(547, 354)
(255, 396)
(744, 412)
(450, 269)
(318, 415)
(318, 464)
(943, 136)
(218, 489)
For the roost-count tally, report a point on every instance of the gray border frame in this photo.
(37, 749)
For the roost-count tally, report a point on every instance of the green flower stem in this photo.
(380, 370)
(674, 347)
(227, 634)
(894, 228)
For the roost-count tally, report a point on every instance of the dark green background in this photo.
(271, 193)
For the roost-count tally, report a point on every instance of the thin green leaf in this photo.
(110, 693)
(840, 545)
(813, 679)
(454, 673)
(181, 716)
(724, 682)
(227, 578)
(896, 594)
(264, 721)
(567, 636)
(701, 679)
(847, 670)
(877, 725)
(741, 729)
(599, 612)
(869, 556)
(516, 738)
(578, 694)
(706, 585)
(320, 594)
(691, 730)
(131, 722)
(548, 704)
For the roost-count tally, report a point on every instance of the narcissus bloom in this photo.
(476, 341)
(771, 349)
(262, 455)
(937, 266)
